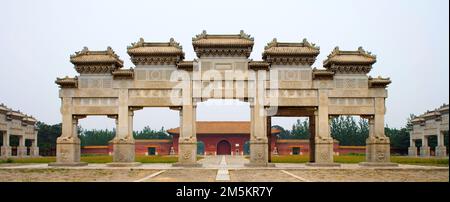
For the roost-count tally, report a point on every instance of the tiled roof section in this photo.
(288, 53)
(221, 127)
(444, 109)
(17, 115)
(67, 82)
(433, 114)
(283, 48)
(87, 57)
(188, 65)
(29, 119)
(359, 57)
(155, 48)
(123, 74)
(219, 45)
(142, 52)
(258, 65)
(378, 82)
(3, 108)
(322, 74)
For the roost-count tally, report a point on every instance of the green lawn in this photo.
(96, 159)
(361, 158)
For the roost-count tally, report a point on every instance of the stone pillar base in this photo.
(68, 152)
(22, 151)
(123, 151)
(412, 151)
(425, 151)
(187, 154)
(5, 151)
(323, 153)
(441, 151)
(378, 150)
(259, 153)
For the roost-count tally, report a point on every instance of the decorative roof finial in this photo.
(245, 36)
(336, 49)
(173, 43)
(305, 42)
(310, 45)
(84, 50)
(109, 50)
(271, 44)
(361, 50)
(199, 36)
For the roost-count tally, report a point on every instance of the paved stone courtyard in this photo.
(223, 169)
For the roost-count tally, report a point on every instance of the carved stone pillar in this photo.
(259, 147)
(6, 149)
(187, 143)
(441, 150)
(425, 149)
(323, 142)
(22, 149)
(412, 149)
(68, 144)
(377, 144)
(123, 142)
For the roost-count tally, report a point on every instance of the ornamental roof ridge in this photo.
(360, 51)
(86, 51)
(304, 43)
(205, 35)
(86, 56)
(142, 43)
(360, 57)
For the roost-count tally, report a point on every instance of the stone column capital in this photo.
(115, 116)
(78, 116)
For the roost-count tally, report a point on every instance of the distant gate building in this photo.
(431, 123)
(16, 123)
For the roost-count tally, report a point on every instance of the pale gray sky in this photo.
(410, 39)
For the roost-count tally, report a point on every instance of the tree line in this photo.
(346, 129)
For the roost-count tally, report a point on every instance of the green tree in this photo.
(47, 135)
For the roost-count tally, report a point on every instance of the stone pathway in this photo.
(222, 172)
(222, 169)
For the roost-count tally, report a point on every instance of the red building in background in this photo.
(221, 138)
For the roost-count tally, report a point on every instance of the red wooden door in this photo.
(223, 148)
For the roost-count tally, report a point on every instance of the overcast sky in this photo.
(410, 39)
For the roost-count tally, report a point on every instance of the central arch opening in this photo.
(223, 126)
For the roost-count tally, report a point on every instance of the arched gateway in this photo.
(223, 148)
(282, 84)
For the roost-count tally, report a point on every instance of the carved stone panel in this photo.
(95, 101)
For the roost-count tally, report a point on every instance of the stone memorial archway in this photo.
(283, 79)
